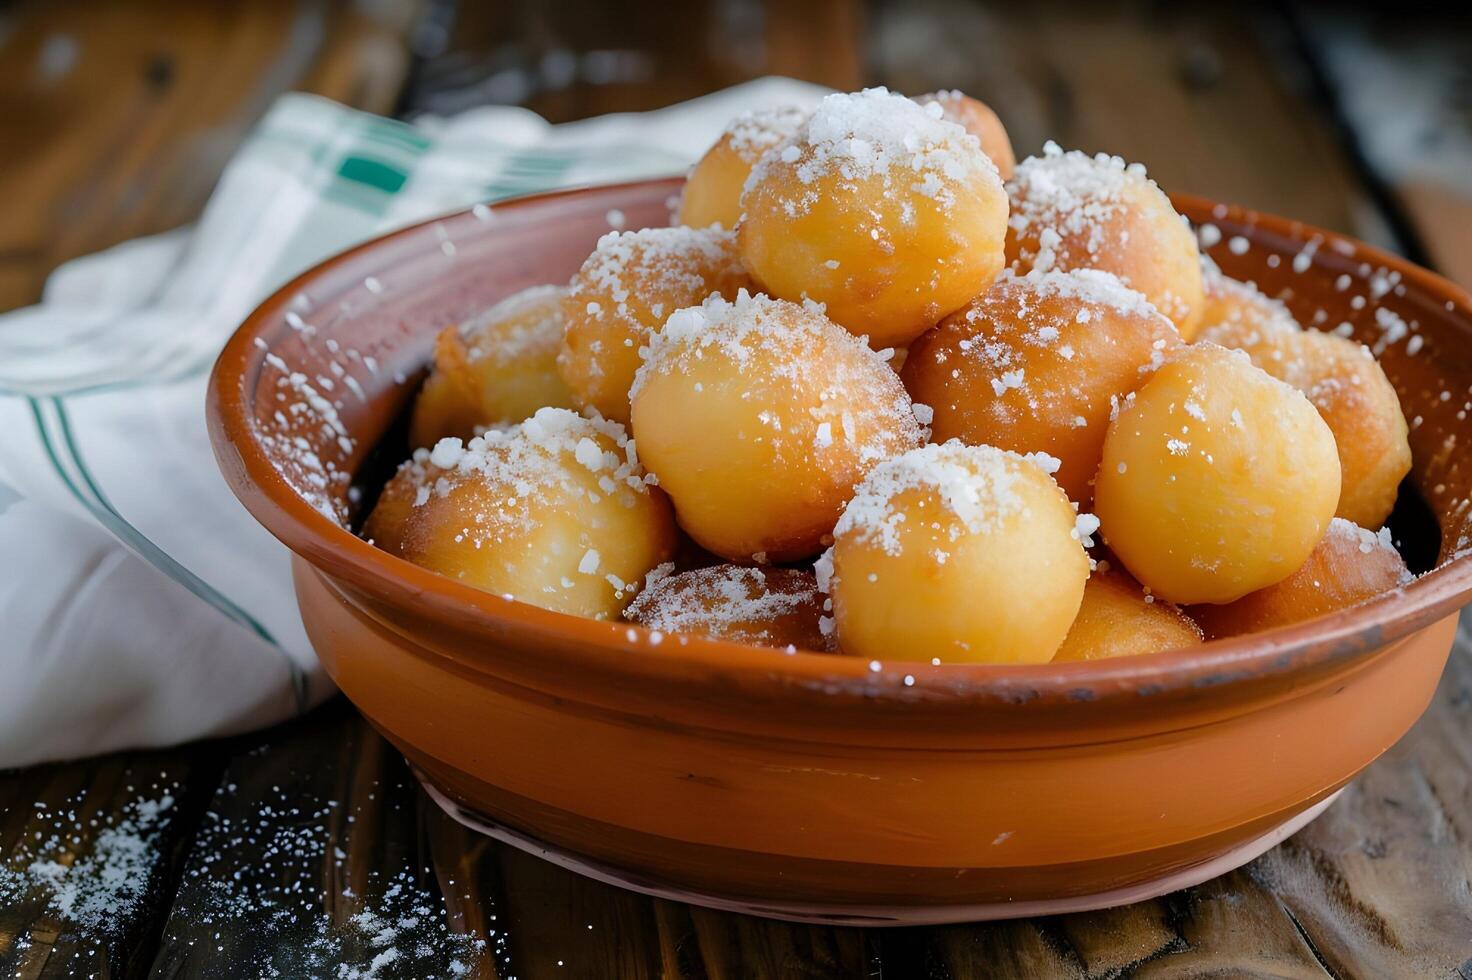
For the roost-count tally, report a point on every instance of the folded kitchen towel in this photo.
(140, 605)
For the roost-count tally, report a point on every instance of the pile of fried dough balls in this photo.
(875, 393)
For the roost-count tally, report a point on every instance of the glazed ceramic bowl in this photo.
(819, 786)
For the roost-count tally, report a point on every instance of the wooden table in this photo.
(308, 851)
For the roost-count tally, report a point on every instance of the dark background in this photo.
(116, 117)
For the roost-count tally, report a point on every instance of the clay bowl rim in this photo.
(618, 647)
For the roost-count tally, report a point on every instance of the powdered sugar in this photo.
(753, 133)
(1366, 541)
(977, 485)
(530, 323)
(283, 866)
(727, 601)
(303, 407)
(851, 391)
(1084, 527)
(1039, 323)
(1245, 313)
(98, 889)
(632, 265)
(875, 135)
(1094, 287)
(1071, 194)
(525, 463)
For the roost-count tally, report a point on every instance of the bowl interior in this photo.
(308, 399)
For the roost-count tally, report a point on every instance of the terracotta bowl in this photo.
(811, 786)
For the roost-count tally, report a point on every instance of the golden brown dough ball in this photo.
(1342, 379)
(1349, 566)
(978, 119)
(879, 209)
(1352, 393)
(623, 294)
(1118, 618)
(769, 607)
(1216, 480)
(958, 553)
(712, 194)
(1034, 363)
(1074, 211)
(494, 369)
(1237, 315)
(759, 417)
(554, 511)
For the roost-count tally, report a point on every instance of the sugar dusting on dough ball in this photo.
(881, 210)
(494, 369)
(1035, 364)
(1075, 211)
(1238, 315)
(961, 553)
(758, 417)
(555, 511)
(623, 294)
(770, 607)
(978, 119)
(712, 193)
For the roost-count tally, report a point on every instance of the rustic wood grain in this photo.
(1208, 96)
(118, 118)
(572, 60)
(286, 850)
(312, 861)
(1382, 883)
(59, 813)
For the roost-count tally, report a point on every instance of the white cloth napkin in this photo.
(140, 605)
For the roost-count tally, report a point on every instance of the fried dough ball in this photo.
(1350, 390)
(554, 511)
(962, 553)
(1237, 315)
(768, 607)
(1074, 211)
(1349, 566)
(758, 417)
(623, 294)
(1343, 380)
(712, 194)
(1034, 363)
(1217, 479)
(494, 369)
(879, 209)
(1118, 618)
(978, 119)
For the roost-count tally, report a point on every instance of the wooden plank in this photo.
(1382, 883)
(730, 947)
(1024, 948)
(90, 853)
(598, 57)
(120, 116)
(1231, 926)
(1199, 93)
(310, 861)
